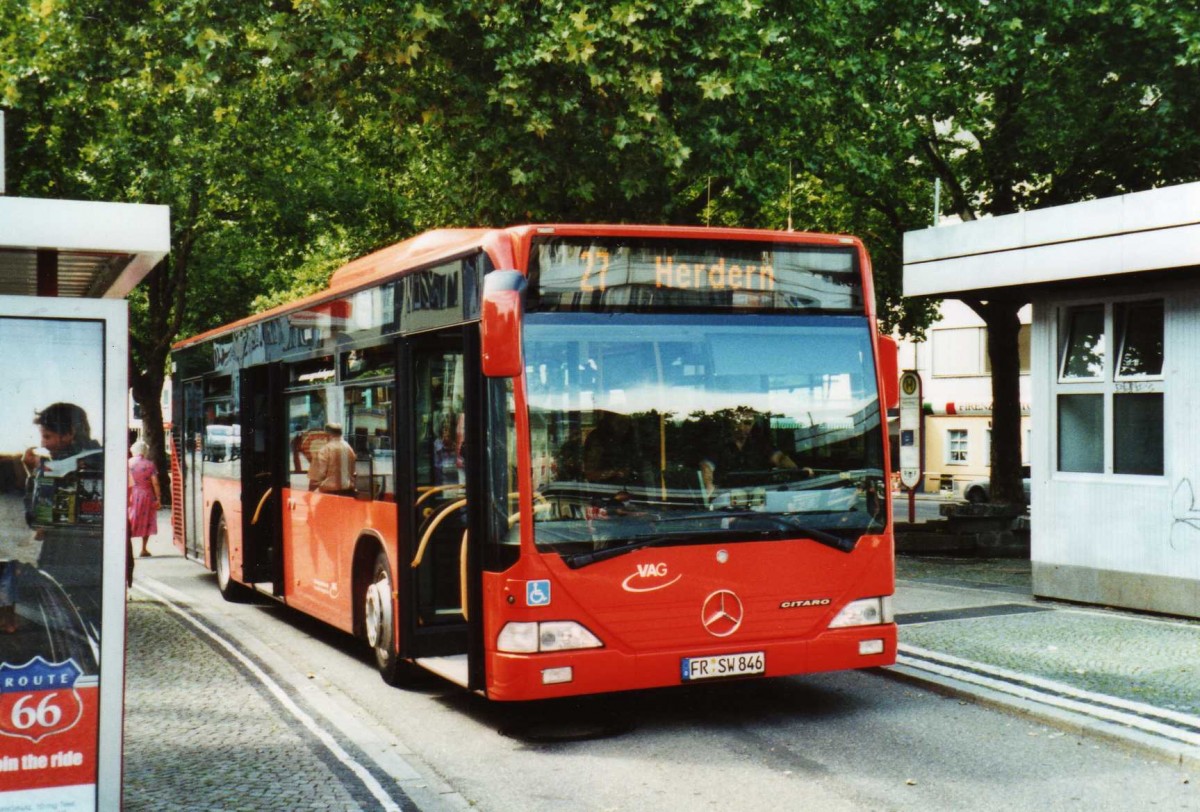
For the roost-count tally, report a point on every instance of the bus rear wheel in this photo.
(379, 624)
(231, 590)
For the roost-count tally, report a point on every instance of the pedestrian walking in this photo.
(144, 495)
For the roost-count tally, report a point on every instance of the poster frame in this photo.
(114, 314)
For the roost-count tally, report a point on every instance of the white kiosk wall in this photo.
(63, 390)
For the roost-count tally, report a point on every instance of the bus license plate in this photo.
(724, 665)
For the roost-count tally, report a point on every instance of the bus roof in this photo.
(376, 266)
(503, 244)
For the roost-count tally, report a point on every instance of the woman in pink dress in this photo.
(144, 496)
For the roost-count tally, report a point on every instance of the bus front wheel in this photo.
(231, 590)
(379, 623)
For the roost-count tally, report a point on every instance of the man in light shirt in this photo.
(332, 469)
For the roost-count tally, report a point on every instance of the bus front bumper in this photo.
(519, 677)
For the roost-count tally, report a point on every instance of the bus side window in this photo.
(369, 416)
(306, 415)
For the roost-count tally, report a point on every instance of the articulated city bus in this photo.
(573, 459)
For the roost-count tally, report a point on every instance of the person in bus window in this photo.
(568, 463)
(296, 445)
(611, 453)
(332, 468)
(460, 434)
(445, 456)
(747, 452)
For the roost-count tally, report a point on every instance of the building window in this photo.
(1083, 353)
(958, 351)
(1110, 404)
(1138, 434)
(1081, 433)
(1141, 340)
(1024, 350)
(962, 351)
(956, 445)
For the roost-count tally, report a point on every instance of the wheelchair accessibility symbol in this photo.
(537, 593)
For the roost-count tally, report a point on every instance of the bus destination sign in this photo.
(578, 272)
(698, 274)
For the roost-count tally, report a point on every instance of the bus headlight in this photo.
(552, 635)
(865, 612)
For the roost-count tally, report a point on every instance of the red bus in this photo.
(585, 458)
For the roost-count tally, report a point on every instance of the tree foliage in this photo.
(290, 135)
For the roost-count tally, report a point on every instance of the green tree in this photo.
(1020, 105)
(173, 103)
(725, 113)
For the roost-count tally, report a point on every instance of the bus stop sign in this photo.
(911, 430)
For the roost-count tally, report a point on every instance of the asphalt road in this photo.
(850, 741)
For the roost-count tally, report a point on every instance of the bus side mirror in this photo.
(889, 371)
(500, 324)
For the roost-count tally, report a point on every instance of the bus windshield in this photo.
(674, 429)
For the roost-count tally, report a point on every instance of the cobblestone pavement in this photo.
(201, 735)
(982, 611)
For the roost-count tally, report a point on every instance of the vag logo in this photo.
(648, 577)
(804, 603)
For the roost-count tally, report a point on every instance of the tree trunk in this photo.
(1003, 346)
(151, 336)
(147, 392)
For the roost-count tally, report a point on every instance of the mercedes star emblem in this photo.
(722, 613)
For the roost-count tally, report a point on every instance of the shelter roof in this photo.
(102, 249)
(1156, 230)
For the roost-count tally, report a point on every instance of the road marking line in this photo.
(1055, 694)
(381, 795)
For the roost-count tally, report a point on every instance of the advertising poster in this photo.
(52, 540)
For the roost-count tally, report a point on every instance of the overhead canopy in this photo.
(1157, 230)
(100, 250)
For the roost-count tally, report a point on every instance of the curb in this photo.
(1074, 722)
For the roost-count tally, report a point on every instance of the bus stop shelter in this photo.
(1115, 373)
(65, 269)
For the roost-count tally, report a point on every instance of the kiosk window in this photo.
(1110, 405)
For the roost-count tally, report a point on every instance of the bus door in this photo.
(439, 565)
(261, 449)
(191, 453)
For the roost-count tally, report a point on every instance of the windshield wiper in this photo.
(781, 522)
(583, 559)
(787, 522)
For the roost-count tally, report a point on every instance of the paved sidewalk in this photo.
(230, 746)
(973, 626)
(207, 728)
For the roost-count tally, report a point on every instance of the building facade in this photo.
(956, 378)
